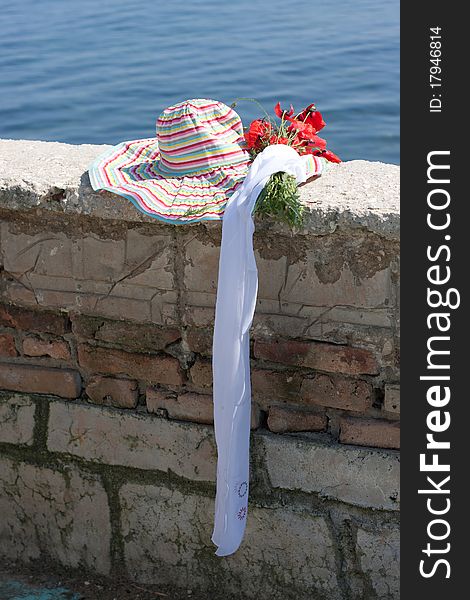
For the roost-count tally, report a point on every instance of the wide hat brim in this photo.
(133, 170)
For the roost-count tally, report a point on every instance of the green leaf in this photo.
(280, 199)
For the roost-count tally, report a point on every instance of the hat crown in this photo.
(200, 135)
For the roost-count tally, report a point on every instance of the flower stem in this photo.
(234, 104)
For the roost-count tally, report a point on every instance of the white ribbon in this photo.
(235, 306)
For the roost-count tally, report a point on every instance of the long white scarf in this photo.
(236, 299)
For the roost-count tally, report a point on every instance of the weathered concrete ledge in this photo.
(107, 457)
(52, 175)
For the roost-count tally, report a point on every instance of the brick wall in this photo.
(105, 346)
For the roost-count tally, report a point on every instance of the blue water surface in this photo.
(101, 71)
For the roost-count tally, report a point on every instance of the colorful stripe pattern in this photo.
(200, 135)
(188, 172)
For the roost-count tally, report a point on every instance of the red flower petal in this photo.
(331, 156)
(304, 130)
(276, 139)
(313, 117)
(317, 142)
(283, 113)
(316, 120)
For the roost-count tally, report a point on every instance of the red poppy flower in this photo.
(256, 131)
(304, 130)
(301, 133)
(313, 117)
(283, 113)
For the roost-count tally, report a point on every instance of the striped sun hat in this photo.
(188, 172)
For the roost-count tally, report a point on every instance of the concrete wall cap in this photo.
(52, 175)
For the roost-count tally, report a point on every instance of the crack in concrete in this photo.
(137, 270)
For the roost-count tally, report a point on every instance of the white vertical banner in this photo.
(236, 300)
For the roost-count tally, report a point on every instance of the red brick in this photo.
(269, 387)
(339, 392)
(153, 369)
(38, 380)
(33, 320)
(199, 340)
(320, 356)
(282, 351)
(109, 391)
(282, 419)
(34, 346)
(201, 374)
(370, 432)
(198, 408)
(143, 337)
(7, 345)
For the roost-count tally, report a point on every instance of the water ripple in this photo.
(101, 72)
